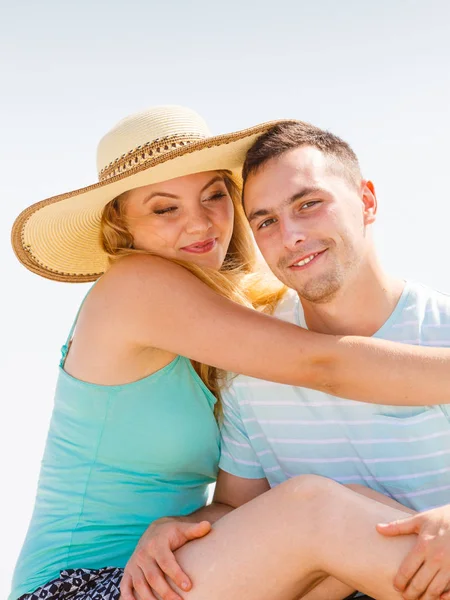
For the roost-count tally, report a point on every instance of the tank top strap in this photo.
(66, 346)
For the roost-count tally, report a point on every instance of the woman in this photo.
(133, 436)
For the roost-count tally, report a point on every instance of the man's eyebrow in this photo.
(263, 212)
(307, 191)
(215, 179)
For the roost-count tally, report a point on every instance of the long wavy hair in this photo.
(240, 278)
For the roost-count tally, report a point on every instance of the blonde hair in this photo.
(239, 279)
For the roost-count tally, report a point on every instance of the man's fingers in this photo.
(126, 588)
(197, 530)
(438, 586)
(420, 582)
(400, 527)
(409, 567)
(170, 567)
(155, 579)
(141, 587)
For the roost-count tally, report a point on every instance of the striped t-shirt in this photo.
(278, 431)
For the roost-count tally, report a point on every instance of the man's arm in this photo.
(230, 492)
(234, 491)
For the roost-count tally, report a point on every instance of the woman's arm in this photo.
(162, 305)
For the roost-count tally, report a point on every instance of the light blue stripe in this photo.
(284, 431)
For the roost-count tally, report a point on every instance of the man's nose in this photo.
(198, 221)
(291, 234)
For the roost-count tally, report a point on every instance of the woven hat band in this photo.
(147, 152)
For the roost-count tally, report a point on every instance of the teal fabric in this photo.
(116, 458)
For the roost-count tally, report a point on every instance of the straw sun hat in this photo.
(59, 238)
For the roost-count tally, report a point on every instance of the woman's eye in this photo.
(266, 223)
(216, 196)
(164, 211)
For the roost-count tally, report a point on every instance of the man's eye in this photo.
(310, 204)
(164, 211)
(266, 223)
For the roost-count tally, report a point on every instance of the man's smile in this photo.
(306, 260)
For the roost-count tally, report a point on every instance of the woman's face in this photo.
(189, 218)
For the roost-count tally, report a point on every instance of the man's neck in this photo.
(361, 308)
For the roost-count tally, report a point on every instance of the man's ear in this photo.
(369, 199)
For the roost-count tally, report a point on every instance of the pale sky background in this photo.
(375, 72)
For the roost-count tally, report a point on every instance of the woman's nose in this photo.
(198, 222)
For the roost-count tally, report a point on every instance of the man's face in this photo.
(309, 220)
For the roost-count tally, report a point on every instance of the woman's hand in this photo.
(154, 559)
(425, 571)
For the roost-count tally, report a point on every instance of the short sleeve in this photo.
(237, 455)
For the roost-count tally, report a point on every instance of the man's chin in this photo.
(316, 291)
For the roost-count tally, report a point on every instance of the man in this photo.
(311, 214)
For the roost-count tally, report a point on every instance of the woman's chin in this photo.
(207, 261)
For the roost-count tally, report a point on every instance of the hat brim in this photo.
(59, 238)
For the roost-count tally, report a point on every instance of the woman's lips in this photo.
(201, 247)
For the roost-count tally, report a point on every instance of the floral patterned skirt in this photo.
(93, 584)
(81, 584)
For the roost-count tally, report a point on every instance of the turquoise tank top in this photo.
(117, 457)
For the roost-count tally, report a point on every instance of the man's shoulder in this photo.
(430, 302)
(421, 317)
(287, 307)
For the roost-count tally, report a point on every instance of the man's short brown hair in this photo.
(289, 135)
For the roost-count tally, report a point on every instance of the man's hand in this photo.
(154, 558)
(425, 571)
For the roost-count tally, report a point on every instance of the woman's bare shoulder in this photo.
(139, 282)
(110, 325)
(133, 278)
(142, 269)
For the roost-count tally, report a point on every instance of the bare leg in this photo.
(285, 542)
(331, 588)
(365, 491)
